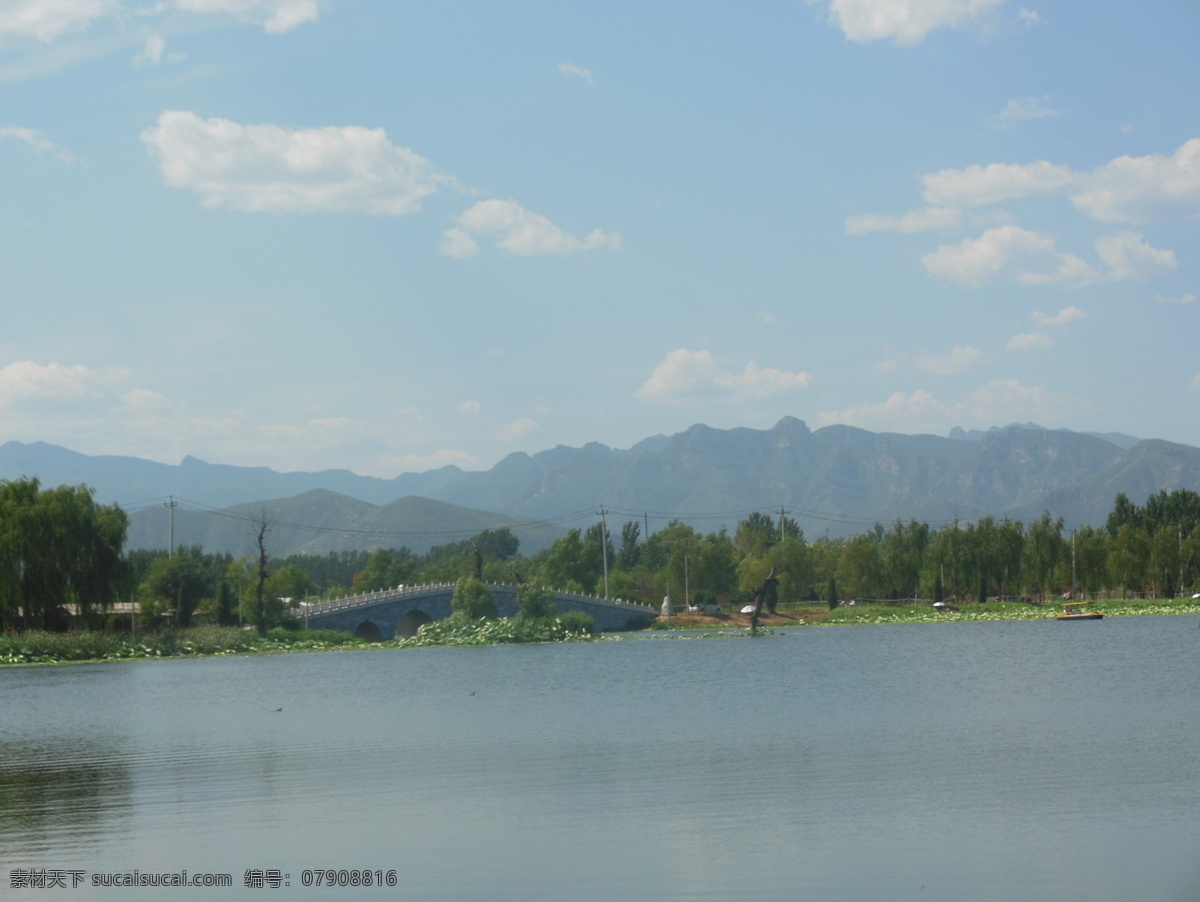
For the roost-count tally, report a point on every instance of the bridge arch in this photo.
(407, 626)
(369, 631)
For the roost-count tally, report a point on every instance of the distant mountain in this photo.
(131, 480)
(835, 481)
(1117, 438)
(319, 521)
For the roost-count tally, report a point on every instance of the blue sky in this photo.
(389, 236)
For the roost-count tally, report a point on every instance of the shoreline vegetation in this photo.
(41, 648)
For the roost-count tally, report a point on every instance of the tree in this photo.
(385, 569)
(903, 552)
(794, 561)
(535, 602)
(473, 600)
(178, 582)
(1128, 554)
(261, 527)
(1166, 546)
(1044, 549)
(565, 563)
(288, 581)
(758, 533)
(759, 595)
(1091, 559)
(860, 570)
(627, 557)
(1124, 513)
(57, 547)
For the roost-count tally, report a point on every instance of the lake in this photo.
(961, 761)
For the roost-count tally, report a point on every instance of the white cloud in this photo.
(516, 429)
(1007, 253)
(1196, 382)
(458, 243)
(153, 50)
(1127, 189)
(27, 380)
(1021, 109)
(918, 412)
(519, 232)
(266, 168)
(959, 360)
(1000, 401)
(686, 373)
(1064, 316)
(471, 407)
(37, 141)
(1129, 257)
(1008, 401)
(905, 21)
(573, 71)
(1028, 16)
(753, 382)
(275, 16)
(681, 371)
(1137, 189)
(926, 220)
(977, 185)
(1181, 299)
(1029, 341)
(46, 20)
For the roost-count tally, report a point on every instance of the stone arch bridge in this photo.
(398, 613)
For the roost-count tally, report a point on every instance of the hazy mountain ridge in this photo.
(320, 521)
(836, 480)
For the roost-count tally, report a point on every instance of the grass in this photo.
(819, 614)
(37, 647)
(1001, 610)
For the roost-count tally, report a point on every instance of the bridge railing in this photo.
(366, 598)
(355, 601)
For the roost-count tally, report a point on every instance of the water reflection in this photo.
(53, 797)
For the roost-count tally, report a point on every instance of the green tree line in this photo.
(61, 552)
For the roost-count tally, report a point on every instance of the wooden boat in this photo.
(1077, 610)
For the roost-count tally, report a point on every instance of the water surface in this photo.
(1032, 759)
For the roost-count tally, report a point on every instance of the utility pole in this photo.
(1073, 598)
(781, 513)
(171, 504)
(604, 547)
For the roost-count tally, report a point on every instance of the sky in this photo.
(389, 236)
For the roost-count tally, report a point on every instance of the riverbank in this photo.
(875, 613)
(37, 647)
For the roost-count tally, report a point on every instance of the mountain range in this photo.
(834, 481)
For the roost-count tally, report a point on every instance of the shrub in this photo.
(578, 622)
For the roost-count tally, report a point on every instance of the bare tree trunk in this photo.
(759, 595)
(262, 526)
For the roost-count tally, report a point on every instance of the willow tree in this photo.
(57, 547)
